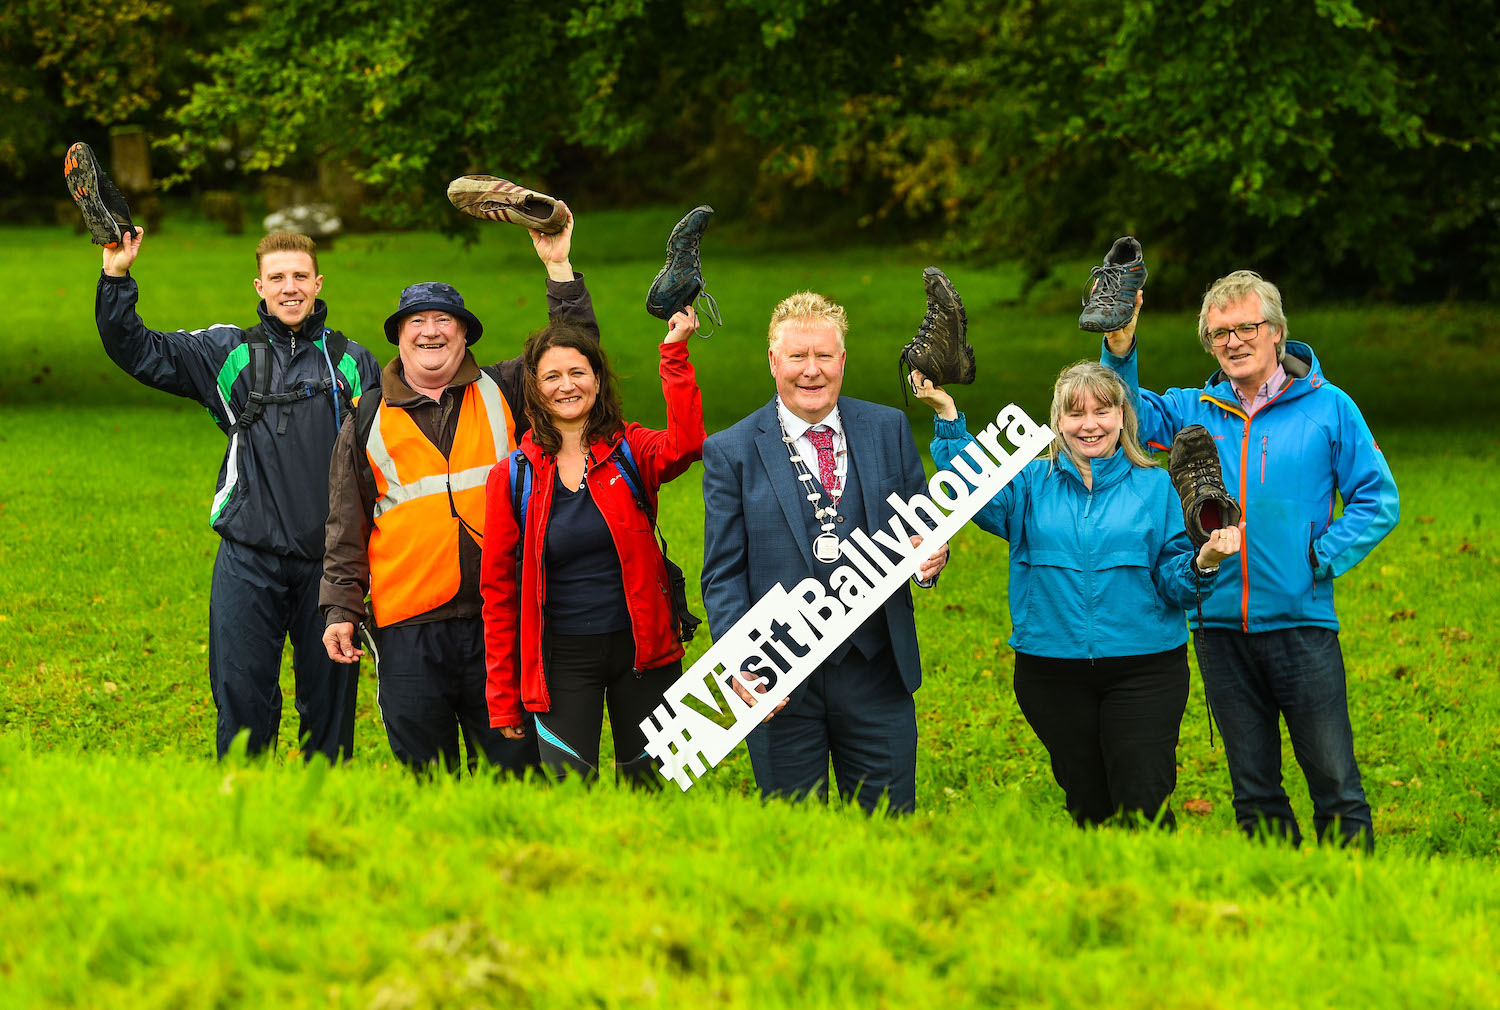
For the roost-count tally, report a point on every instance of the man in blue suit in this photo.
(781, 488)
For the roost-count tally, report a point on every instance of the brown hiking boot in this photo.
(1194, 467)
(492, 199)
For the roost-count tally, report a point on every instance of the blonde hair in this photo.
(286, 241)
(1092, 378)
(1236, 286)
(807, 307)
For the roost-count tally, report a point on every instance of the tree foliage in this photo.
(1349, 143)
(68, 70)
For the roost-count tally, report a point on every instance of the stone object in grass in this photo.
(318, 221)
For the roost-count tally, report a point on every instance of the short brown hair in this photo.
(606, 417)
(286, 241)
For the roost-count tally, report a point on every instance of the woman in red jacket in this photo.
(582, 614)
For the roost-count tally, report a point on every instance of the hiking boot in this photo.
(1193, 465)
(104, 209)
(680, 279)
(940, 350)
(492, 199)
(1110, 301)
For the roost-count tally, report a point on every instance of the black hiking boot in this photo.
(104, 209)
(680, 279)
(941, 349)
(1110, 301)
(1193, 465)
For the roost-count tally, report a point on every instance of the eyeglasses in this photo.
(1246, 332)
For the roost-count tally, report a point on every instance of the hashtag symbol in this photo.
(669, 740)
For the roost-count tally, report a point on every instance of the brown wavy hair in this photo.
(606, 417)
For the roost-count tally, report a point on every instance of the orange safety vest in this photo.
(413, 549)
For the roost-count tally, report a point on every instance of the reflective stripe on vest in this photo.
(414, 546)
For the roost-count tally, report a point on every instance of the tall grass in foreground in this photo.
(139, 882)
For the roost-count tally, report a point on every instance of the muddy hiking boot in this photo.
(104, 209)
(1110, 300)
(1193, 465)
(680, 279)
(941, 349)
(492, 199)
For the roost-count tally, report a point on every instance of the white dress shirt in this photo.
(797, 429)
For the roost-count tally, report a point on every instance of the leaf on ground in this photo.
(1199, 806)
(1403, 615)
(1425, 519)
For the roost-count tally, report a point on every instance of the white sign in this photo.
(785, 635)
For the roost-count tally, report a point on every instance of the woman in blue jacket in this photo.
(1101, 570)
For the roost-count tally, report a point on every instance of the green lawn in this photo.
(123, 848)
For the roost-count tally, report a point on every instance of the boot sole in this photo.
(81, 174)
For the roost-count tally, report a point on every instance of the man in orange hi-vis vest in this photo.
(406, 517)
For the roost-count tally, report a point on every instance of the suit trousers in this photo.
(857, 712)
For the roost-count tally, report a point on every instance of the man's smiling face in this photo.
(290, 284)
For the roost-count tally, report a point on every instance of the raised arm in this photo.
(666, 455)
(182, 363)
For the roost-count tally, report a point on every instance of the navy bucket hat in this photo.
(431, 296)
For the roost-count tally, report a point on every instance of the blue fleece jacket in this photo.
(1287, 464)
(1093, 573)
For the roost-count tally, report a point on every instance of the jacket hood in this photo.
(312, 326)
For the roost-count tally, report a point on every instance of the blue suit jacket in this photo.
(755, 526)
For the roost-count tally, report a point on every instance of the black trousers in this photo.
(1110, 726)
(856, 712)
(432, 679)
(584, 674)
(257, 600)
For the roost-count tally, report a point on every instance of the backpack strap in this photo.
(335, 343)
(260, 379)
(520, 496)
(625, 463)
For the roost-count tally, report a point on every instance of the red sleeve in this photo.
(665, 455)
(501, 595)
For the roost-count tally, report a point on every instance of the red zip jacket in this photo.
(513, 613)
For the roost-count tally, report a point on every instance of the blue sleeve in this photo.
(1159, 416)
(1177, 581)
(726, 579)
(1372, 506)
(949, 438)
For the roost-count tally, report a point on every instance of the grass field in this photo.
(134, 870)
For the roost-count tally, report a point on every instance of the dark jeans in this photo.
(1110, 726)
(257, 599)
(1296, 674)
(431, 690)
(859, 713)
(584, 673)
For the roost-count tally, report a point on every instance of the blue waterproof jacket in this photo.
(1093, 573)
(1287, 465)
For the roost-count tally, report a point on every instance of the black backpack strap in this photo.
(260, 379)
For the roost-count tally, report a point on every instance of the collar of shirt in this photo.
(797, 429)
(1264, 393)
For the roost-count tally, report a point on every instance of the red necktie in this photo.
(822, 440)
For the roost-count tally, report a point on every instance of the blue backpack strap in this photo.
(520, 494)
(632, 475)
